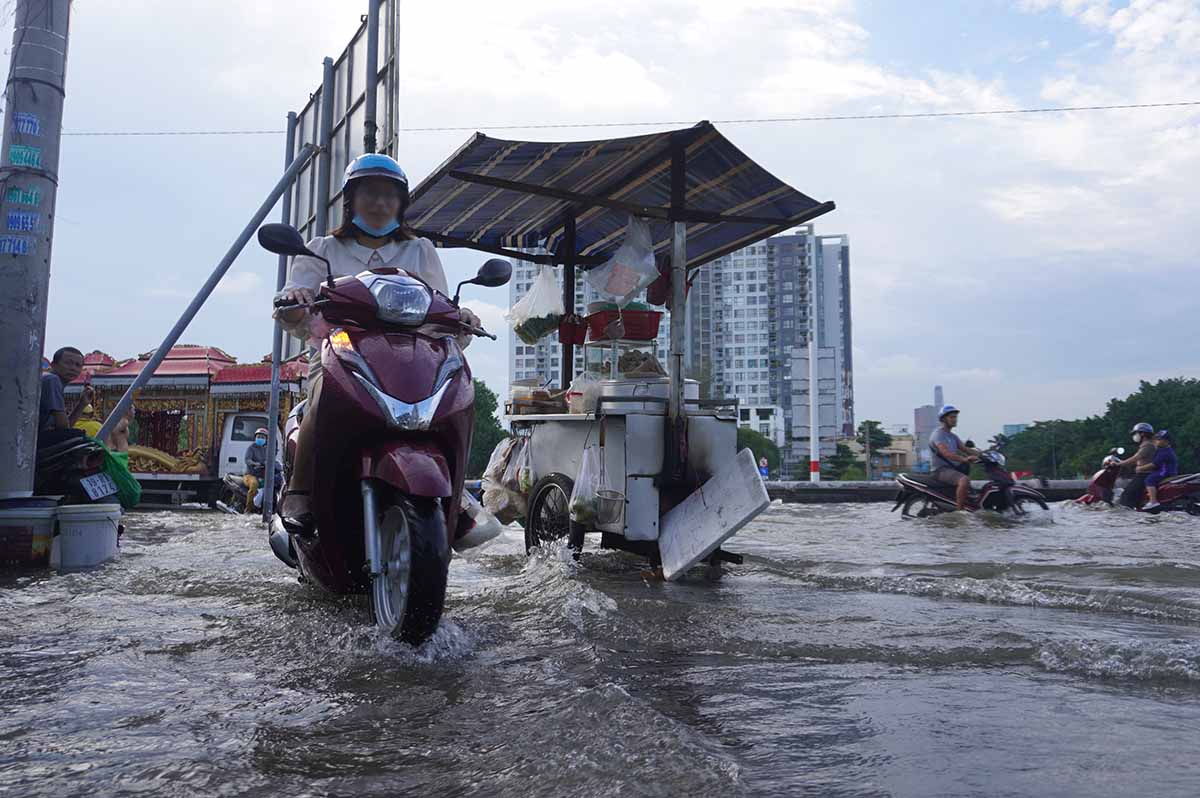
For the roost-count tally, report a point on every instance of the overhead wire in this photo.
(663, 123)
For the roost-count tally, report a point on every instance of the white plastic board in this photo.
(711, 515)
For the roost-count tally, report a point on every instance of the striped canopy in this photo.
(495, 194)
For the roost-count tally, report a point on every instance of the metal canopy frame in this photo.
(561, 239)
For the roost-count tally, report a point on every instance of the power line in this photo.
(663, 123)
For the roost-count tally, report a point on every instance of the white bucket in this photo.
(87, 535)
(25, 534)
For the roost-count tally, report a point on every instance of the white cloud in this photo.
(238, 283)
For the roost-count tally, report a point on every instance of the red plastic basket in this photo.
(572, 332)
(640, 325)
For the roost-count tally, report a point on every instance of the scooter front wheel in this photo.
(409, 592)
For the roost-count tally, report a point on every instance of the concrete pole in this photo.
(814, 415)
(676, 409)
(205, 291)
(394, 74)
(277, 340)
(324, 157)
(867, 439)
(370, 127)
(29, 184)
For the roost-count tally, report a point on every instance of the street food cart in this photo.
(675, 486)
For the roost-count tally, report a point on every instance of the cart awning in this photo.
(498, 196)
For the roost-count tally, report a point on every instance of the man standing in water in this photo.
(951, 457)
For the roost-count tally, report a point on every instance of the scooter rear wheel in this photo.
(408, 597)
(919, 505)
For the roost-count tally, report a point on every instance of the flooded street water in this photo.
(854, 653)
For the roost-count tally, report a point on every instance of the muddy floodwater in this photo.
(854, 653)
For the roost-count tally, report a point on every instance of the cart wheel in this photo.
(549, 517)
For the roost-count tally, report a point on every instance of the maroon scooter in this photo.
(1180, 492)
(392, 442)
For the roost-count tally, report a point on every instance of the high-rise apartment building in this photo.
(747, 337)
(748, 329)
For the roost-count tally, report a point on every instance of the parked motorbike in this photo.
(233, 492)
(922, 496)
(393, 440)
(1180, 492)
(73, 469)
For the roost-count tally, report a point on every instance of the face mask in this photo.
(1137, 437)
(261, 441)
(376, 232)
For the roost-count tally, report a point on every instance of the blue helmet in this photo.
(946, 410)
(1142, 426)
(375, 164)
(1162, 434)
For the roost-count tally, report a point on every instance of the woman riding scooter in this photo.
(1143, 462)
(372, 236)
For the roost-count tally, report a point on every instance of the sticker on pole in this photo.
(27, 124)
(23, 196)
(17, 245)
(24, 221)
(24, 155)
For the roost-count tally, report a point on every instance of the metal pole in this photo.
(394, 84)
(675, 405)
(867, 439)
(205, 290)
(29, 182)
(566, 369)
(369, 126)
(814, 415)
(277, 341)
(325, 158)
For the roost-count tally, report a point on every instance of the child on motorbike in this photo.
(1166, 465)
(372, 235)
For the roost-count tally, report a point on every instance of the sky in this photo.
(1034, 265)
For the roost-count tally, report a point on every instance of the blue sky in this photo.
(1035, 266)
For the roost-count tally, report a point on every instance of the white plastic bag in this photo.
(506, 504)
(584, 393)
(583, 496)
(483, 526)
(518, 474)
(538, 313)
(631, 268)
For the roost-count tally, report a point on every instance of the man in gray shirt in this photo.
(54, 423)
(951, 457)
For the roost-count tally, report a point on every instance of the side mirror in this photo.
(494, 273)
(282, 239)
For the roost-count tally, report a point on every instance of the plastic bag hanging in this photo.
(631, 268)
(587, 482)
(538, 313)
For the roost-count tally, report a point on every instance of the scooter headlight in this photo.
(401, 299)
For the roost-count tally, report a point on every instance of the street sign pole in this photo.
(28, 187)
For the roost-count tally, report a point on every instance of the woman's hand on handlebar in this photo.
(297, 296)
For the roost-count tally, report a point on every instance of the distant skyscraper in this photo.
(925, 421)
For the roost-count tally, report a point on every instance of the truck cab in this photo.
(236, 439)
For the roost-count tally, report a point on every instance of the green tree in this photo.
(879, 438)
(488, 431)
(1074, 448)
(761, 445)
(842, 462)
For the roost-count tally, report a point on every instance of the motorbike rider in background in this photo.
(1143, 462)
(951, 457)
(1166, 465)
(372, 236)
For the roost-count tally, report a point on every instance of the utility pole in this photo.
(867, 439)
(814, 393)
(28, 188)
